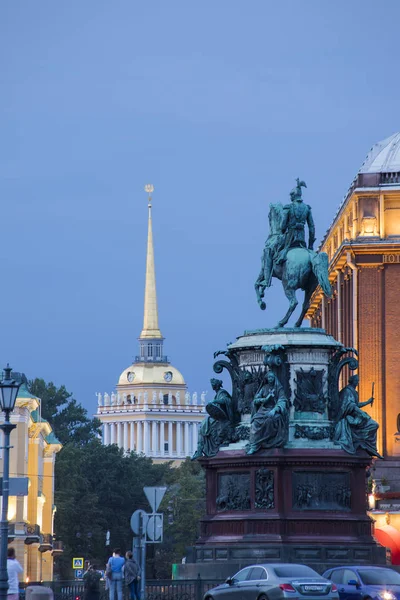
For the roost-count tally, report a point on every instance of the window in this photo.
(258, 573)
(165, 446)
(158, 350)
(242, 575)
(337, 576)
(294, 571)
(349, 575)
(150, 350)
(165, 399)
(379, 576)
(142, 350)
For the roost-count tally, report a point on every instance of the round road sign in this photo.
(137, 516)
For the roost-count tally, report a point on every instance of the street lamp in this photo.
(8, 395)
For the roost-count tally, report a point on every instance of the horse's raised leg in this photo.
(293, 302)
(306, 304)
(260, 289)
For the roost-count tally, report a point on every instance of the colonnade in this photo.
(157, 438)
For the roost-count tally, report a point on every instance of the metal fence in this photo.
(160, 589)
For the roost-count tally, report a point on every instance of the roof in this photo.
(149, 374)
(52, 439)
(23, 392)
(36, 417)
(384, 157)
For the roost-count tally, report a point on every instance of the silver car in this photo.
(275, 582)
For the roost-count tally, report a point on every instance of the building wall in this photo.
(32, 456)
(363, 245)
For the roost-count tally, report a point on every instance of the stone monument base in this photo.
(284, 505)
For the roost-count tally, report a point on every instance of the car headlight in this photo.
(387, 596)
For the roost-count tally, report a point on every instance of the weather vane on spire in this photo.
(149, 188)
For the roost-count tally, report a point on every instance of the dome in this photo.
(384, 157)
(142, 374)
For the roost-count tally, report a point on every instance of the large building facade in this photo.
(151, 411)
(363, 246)
(32, 459)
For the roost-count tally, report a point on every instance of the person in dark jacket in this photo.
(91, 582)
(132, 572)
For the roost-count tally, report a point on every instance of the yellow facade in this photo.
(32, 456)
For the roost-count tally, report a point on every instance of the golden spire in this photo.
(150, 319)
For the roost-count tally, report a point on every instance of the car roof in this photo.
(358, 567)
(269, 565)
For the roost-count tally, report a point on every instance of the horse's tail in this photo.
(320, 263)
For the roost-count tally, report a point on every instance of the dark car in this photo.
(365, 583)
(275, 582)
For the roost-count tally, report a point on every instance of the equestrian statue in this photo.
(287, 257)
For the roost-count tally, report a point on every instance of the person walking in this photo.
(91, 583)
(114, 572)
(132, 574)
(13, 569)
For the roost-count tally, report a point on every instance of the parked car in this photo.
(275, 582)
(365, 583)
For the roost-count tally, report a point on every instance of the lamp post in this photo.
(8, 395)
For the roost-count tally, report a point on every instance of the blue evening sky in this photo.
(220, 104)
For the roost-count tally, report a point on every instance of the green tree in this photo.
(68, 418)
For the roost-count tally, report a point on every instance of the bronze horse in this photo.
(303, 269)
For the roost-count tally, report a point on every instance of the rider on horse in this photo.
(295, 217)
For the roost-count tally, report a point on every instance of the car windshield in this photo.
(294, 571)
(379, 576)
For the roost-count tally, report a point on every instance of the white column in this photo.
(119, 434)
(170, 438)
(146, 437)
(139, 443)
(154, 438)
(126, 447)
(186, 439)
(106, 434)
(162, 437)
(132, 441)
(112, 433)
(179, 438)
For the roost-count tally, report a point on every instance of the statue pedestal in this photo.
(284, 505)
(303, 502)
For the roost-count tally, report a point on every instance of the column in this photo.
(132, 440)
(178, 438)
(162, 437)
(146, 438)
(125, 426)
(139, 432)
(170, 438)
(186, 439)
(106, 432)
(154, 438)
(112, 433)
(119, 434)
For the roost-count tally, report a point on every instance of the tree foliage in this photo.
(68, 418)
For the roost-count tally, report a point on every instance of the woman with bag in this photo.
(132, 572)
(114, 574)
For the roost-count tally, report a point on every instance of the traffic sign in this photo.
(78, 563)
(155, 527)
(154, 495)
(136, 517)
(78, 573)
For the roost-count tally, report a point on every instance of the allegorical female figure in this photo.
(214, 430)
(269, 427)
(355, 428)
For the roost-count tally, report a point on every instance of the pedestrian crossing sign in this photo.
(77, 563)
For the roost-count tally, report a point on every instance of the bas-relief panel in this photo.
(233, 491)
(321, 491)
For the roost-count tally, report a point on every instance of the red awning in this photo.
(389, 537)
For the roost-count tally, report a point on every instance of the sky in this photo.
(220, 105)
